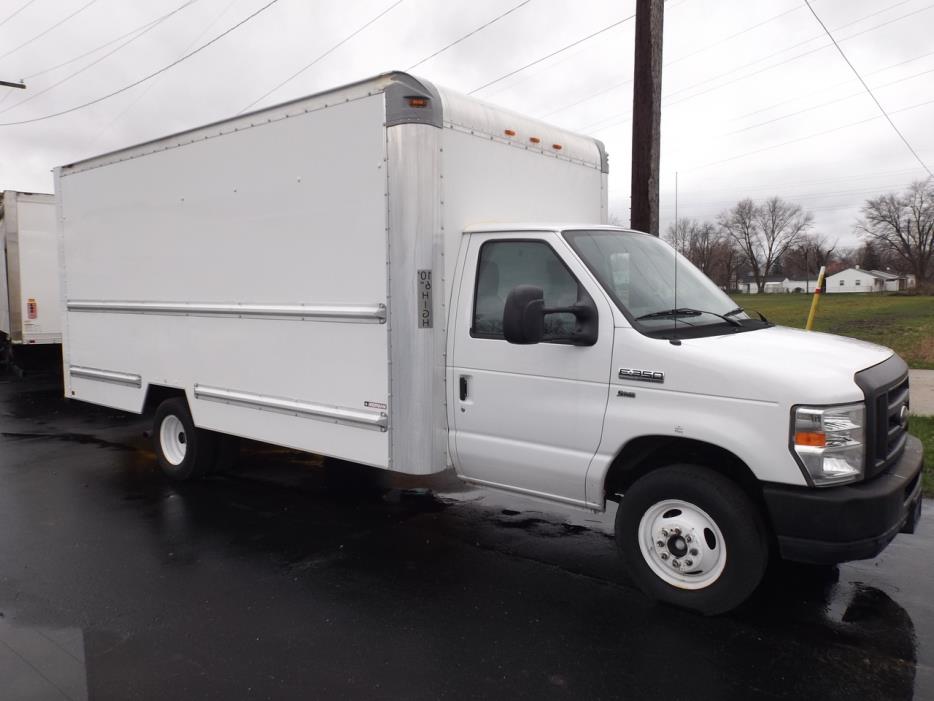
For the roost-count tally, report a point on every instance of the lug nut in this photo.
(660, 543)
(675, 563)
(687, 539)
(664, 533)
(664, 556)
(694, 552)
(677, 531)
(688, 563)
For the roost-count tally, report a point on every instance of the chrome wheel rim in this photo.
(173, 439)
(682, 544)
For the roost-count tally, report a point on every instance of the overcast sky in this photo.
(756, 100)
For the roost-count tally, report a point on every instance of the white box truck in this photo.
(30, 298)
(353, 274)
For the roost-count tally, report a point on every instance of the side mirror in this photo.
(524, 315)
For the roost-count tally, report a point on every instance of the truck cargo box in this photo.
(289, 269)
(29, 272)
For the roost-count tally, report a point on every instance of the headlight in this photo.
(830, 442)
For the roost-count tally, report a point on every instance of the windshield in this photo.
(638, 271)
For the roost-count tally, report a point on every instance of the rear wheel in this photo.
(183, 451)
(692, 538)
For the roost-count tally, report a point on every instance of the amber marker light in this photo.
(418, 102)
(811, 438)
(509, 132)
(556, 147)
(535, 140)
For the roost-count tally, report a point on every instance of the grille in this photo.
(886, 390)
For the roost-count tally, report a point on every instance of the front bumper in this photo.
(851, 522)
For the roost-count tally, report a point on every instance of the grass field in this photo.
(923, 428)
(905, 324)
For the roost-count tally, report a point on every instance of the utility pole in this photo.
(647, 115)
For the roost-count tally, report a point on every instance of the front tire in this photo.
(183, 451)
(692, 538)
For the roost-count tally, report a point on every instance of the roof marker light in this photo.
(509, 132)
(556, 147)
(535, 140)
(415, 101)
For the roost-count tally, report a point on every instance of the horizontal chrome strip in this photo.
(341, 415)
(120, 378)
(320, 312)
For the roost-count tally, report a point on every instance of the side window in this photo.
(505, 264)
(857, 283)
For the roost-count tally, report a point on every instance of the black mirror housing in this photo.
(524, 315)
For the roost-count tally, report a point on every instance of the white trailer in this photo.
(349, 274)
(30, 305)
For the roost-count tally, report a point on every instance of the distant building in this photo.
(860, 280)
(789, 285)
(747, 284)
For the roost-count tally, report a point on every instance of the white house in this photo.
(859, 280)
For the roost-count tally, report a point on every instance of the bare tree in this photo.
(804, 259)
(705, 246)
(764, 233)
(903, 226)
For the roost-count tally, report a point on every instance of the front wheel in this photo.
(692, 538)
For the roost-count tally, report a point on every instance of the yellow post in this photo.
(816, 299)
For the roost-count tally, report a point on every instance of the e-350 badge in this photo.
(641, 375)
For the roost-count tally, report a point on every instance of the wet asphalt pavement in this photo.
(271, 583)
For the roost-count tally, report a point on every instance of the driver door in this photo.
(527, 417)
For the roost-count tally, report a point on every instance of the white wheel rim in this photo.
(682, 544)
(173, 439)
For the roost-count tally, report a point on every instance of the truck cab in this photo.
(589, 364)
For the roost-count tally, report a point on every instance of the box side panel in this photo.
(417, 300)
(487, 180)
(38, 270)
(249, 270)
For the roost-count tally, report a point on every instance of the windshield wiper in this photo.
(687, 311)
(739, 310)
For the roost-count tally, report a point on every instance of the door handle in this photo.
(463, 387)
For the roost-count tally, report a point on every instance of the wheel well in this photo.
(646, 453)
(156, 394)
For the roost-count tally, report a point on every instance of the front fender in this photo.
(755, 431)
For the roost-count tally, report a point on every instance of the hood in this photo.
(776, 364)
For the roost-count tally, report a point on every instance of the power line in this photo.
(733, 36)
(323, 55)
(469, 34)
(874, 99)
(46, 31)
(146, 30)
(677, 60)
(151, 75)
(553, 53)
(16, 12)
(153, 83)
(106, 44)
(820, 133)
(612, 120)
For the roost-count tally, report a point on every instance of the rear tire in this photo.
(692, 538)
(183, 451)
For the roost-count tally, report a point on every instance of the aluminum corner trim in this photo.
(119, 378)
(308, 312)
(360, 418)
(604, 157)
(398, 110)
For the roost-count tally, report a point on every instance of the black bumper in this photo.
(852, 522)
